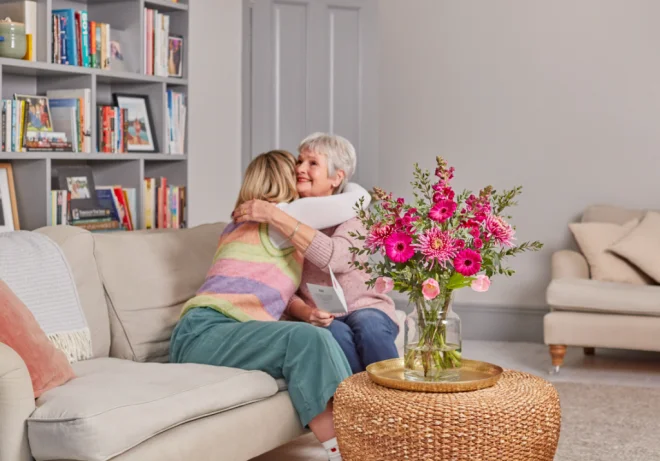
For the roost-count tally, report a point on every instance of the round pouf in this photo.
(518, 419)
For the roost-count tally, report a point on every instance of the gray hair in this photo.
(338, 150)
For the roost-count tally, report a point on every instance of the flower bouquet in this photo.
(428, 250)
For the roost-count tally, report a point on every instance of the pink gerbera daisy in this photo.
(438, 245)
(500, 230)
(398, 247)
(442, 210)
(467, 262)
(377, 236)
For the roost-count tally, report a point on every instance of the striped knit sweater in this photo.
(250, 279)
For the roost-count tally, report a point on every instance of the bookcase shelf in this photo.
(33, 170)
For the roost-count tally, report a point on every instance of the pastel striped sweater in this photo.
(249, 279)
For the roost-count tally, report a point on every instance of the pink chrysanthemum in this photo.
(500, 230)
(398, 247)
(377, 236)
(467, 262)
(442, 210)
(437, 245)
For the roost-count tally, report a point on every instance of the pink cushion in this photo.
(47, 365)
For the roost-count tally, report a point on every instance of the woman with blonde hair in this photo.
(233, 318)
(367, 332)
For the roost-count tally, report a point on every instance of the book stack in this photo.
(156, 42)
(112, 129)
(27, 126)
(165, 206)
(77, 41)
(95, 219)
(176, 122)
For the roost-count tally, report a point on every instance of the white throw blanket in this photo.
(35, 268)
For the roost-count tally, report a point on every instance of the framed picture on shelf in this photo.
(38, 116)
(175, 56)
(79, 181)
(140, 136)
(8, 209)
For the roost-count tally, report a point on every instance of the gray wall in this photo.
(215, 109)
(562, 97)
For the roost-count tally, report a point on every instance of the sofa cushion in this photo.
(641, 246)
(116, 404)
(78, 248)
(609, 297)
(594, 238)
(47, 365)
(148, 275)
(610, 214)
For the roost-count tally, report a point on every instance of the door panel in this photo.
(313, 68)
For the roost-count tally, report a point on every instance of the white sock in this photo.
(333, 449)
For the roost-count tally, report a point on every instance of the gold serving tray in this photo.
(473, 375)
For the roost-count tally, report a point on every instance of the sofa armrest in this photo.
(569, 264)
(16, 405)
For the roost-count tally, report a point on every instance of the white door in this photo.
(311, 65)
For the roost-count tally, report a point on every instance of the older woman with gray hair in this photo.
(367, 332)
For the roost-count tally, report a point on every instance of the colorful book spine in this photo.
(84, 38)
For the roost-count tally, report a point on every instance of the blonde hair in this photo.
(270, 176)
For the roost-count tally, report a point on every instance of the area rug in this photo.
(599, 423)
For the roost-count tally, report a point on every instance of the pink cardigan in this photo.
(330, 249)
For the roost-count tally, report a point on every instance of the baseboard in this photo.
(496, 323)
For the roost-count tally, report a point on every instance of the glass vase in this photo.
(432, 350)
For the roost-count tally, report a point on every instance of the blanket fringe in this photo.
(76, 345)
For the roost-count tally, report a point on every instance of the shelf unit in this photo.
(33, 170)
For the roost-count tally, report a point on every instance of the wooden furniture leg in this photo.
(589, 351)
(557, 352)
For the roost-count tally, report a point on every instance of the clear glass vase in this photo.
(432, 350)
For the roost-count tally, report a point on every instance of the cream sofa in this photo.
(591, 313)
(126, 404)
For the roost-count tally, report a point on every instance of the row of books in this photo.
(156, 42)
(165, 206)
(59, 121)
(77, 41)
(112, 129)
(176, 122)
(114, 209)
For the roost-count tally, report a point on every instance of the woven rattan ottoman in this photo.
(516, 420)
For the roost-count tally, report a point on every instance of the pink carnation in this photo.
(398, 247)
(500, 230)
(442, 210)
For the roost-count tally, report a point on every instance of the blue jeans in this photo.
(366, 336)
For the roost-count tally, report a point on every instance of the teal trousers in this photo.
(307, 357)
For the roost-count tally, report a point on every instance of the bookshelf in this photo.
(33, 170)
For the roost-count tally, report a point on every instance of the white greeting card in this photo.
(329, 298)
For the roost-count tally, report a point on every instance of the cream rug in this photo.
(599, 423)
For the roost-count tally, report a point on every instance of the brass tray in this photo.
(473, 375)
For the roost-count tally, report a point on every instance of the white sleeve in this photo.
(322, 212)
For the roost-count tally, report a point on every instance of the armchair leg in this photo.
(557, 352)
(589, 351)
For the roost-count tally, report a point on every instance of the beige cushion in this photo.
(148, 276)
(596, 296)
(610, 213)
(113, 405)
(241, 433)
(78, 248)
(641, 246)
(594, 238)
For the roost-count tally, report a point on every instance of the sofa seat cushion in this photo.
(114, 405)
(608, 297)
